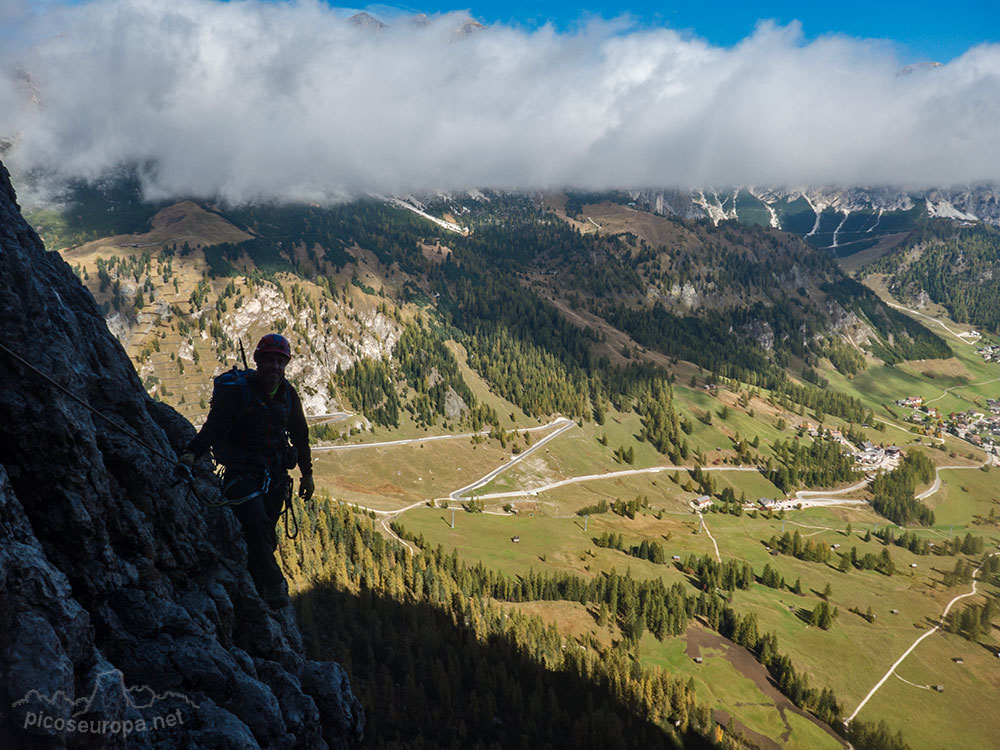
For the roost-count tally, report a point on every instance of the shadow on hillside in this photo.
(803, 614)
(427, 681)
(991, 649)
(928, 622)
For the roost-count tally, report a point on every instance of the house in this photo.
(515, 539)
(702, 502)
(767, 503)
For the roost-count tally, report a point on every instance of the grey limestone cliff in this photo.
(127, 618)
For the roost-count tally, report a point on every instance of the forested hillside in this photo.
(955, 266)
(742, 302)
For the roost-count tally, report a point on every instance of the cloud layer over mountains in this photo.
(248, 100)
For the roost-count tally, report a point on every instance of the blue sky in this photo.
(918, 30)
(938, 31)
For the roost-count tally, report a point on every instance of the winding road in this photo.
(564, 424)
(431, 438)
(608, 475)
(937, 478)
(958, 336)
(956, 387)
(805, 498)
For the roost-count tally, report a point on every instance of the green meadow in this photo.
(758, 710)
(850, 658)
(390, 477)
(965, 496)
(954, 718)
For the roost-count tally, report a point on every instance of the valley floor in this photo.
(530, 521)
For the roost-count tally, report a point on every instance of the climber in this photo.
(253, 415)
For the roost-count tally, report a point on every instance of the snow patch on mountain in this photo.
(960, 203)
(945, 210)
(410, 203)
(713, 207)
(767, 198)
(839, 227)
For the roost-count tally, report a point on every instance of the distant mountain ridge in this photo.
(844, 219)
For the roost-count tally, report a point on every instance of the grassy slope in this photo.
(850, 658)
(719, 682)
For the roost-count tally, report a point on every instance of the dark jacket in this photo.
(255, 436)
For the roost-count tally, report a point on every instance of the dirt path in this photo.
(714, 543)
(411, 548)
(916, 643)
(903, 429)
(745, 663)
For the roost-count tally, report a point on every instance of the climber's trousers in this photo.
(258, 518)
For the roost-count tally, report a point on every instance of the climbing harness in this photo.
(260, 490)
(240, 498)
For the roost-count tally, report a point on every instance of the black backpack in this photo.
(226, 452)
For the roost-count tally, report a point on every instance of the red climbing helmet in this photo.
(273, 342)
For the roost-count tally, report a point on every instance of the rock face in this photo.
(127, 617)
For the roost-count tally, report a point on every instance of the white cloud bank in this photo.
(248, 100)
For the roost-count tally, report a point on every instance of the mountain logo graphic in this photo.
(139, 697)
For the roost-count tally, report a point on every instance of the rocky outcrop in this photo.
(127, 617)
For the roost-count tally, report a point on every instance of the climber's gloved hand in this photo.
(306, 487)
